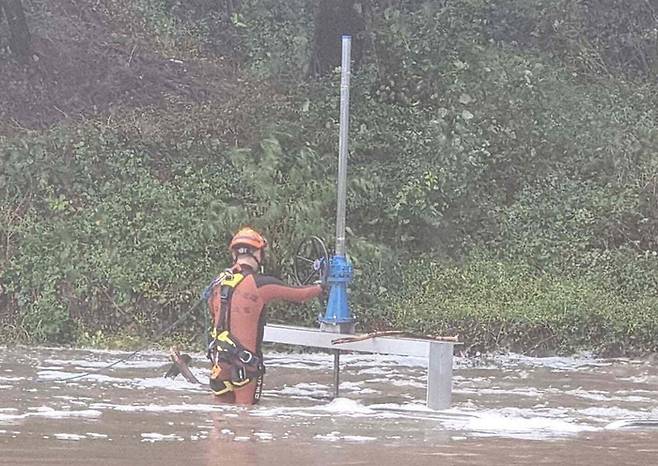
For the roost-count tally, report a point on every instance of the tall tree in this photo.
(19, 34)
(334, 18)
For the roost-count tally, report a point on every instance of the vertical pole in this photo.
(439, 375)
(342, 144)
(337, 317)
(336, 372)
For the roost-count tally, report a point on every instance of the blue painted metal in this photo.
(340, 275)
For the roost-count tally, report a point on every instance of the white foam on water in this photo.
(153, 437)
(58, 350)
(335, 436)
(352, 386)
(311, 361)
(168, 408)
(577, 362)
(612, 412)
(404, 408)
(74, 437)
(6, 387)
(645, 378)
(94, 435)
(358, 438)
(330, 437)
(47, 412)
(354, 360)
(530, 392)
(128, 383)
(337, 407)
(632, 423)
(294, 365)
(11, 379)
(534, 423)
(636, 391)
(345, 406)
(377, 371)
(620, 424)
(538, 422)
(303, 389)
(516, 423)
(598, 395)
(264, 436)
(109, 354)
(166, 383)
(72, 398)
(595, 395)
(357, 388)
(408, 383)
(60, 376)
(88, 364)
(380, 380)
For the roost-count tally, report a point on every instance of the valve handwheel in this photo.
(311, 261)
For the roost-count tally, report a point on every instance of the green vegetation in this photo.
(503, 178)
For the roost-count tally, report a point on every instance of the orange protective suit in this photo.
(245, 315)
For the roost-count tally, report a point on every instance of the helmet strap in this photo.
(250, 253)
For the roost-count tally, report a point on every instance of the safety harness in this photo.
(233, 365)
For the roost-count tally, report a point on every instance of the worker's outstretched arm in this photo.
(271, 288)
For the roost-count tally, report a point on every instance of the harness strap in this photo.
(233, 365)
(227, 347)
(227, 282)
(259, 388)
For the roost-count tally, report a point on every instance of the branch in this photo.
(389, 333)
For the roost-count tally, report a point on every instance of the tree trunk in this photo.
(19, 34)
(333, 19)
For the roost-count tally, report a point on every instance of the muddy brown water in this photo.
(508, 409)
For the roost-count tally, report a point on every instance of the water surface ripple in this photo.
(508, 409)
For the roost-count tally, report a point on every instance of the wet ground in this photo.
(507, 409)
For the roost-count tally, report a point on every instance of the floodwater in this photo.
(508, 409)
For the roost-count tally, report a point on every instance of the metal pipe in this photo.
(342, 145)
(336, 372)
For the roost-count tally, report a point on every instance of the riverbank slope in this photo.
(503, 178)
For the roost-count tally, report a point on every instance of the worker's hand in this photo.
(322, 283)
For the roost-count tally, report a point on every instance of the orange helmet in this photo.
(248, 237)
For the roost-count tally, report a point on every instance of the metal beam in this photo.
(304, 336)
(439, 376)
(438, 353)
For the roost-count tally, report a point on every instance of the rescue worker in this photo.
(236, 303)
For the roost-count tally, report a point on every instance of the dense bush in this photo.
(475, 126)
(510, 305)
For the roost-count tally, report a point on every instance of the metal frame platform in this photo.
(438, 353)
